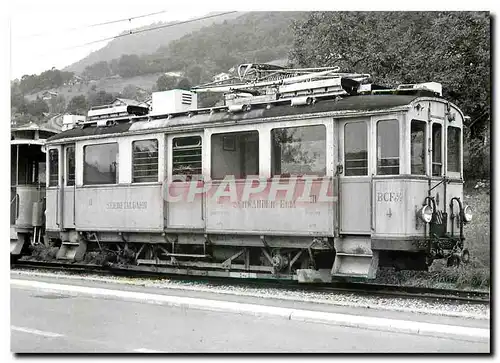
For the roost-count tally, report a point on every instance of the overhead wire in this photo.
(94, 25)
(132, 32)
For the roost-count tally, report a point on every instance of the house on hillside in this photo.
(74, 80)
(176, 74)
(48, 95)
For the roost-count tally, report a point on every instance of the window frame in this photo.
(344, 160)
(132, 160)
(173, 176)
(425, 147)
(441, 151)
(399, 157)
(460, 151)
(66, 166)
(117, 178)
(271, 159)
(49, 171)
(229, 132)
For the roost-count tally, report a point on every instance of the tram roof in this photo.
(362, 103)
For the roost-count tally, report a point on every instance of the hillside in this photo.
(197, 57)
(145, 42)
(113, 85)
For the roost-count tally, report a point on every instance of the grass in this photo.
(472, 276)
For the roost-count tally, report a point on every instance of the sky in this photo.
(51, 33)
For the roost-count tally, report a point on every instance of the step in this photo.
(354, 257)
(72, 251)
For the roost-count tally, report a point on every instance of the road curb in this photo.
(353, 321)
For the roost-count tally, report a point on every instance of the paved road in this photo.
(44, 321)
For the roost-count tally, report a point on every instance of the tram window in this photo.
(453, 147)
(70, 165)
(437, 162)
(42, 172)
(100, 165)
(235, 154)
(186, 156)
(417, 139)
(388, 147)
(145, 161)
(298, 151)
(355, 149)
(53, 167)
(29, 163)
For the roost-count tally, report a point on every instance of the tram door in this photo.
(68, 191)
(184, 173)
(54, 191)
(354, 180)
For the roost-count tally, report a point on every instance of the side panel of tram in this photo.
(378, 170)
(123, 186)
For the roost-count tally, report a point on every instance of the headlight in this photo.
(468, 213)
(425, 213)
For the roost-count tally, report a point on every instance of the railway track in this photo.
(362, 288)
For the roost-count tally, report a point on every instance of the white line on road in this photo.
(36, 332)
(146, 350)
(355, 321)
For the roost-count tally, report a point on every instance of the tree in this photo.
(37, 108)
(130, 65)
(165, 83)
(100, 98)
(77, 105)
(184, 84)
(57, 104)
(18, 102)
(195, 73)
(97, 71)
(452, 48)
(130, 91)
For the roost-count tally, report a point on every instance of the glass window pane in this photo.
(453, 149)
(42, 172)
(388, 147)
(186, 157)
(437, 139)
(53, 168)
(299, 151)
(100, 164)
(70, 166)
(417, 139)
(145, 161)
(355, 149)
(235, 154)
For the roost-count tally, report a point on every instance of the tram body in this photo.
(306, 191)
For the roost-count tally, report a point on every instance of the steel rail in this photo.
(362, 288)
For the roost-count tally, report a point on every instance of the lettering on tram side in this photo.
(264, 204)
(389, 197)
(127, 205)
